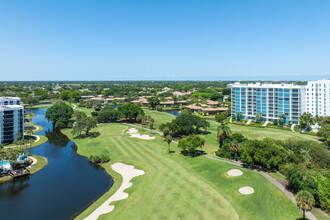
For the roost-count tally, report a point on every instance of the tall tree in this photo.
(239, 115)
(65, 95)
(153, 102)
(305, 201)
(306, 120)
(191, 143)
(84, 124)
(223, 132)
(79, 115)
(168, 139)
(282, 118)
(59, 114)
(130, 111)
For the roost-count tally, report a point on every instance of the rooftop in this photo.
(264, 85)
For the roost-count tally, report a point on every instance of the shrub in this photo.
(99, 159)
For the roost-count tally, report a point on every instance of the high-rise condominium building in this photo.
(317, 100)
(11, 119)
(267, 101)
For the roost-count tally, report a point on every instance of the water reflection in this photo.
(56, 137)
(61, 190)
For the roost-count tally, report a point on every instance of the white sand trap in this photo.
(246, 190)
(132, 131)
(143, 136)
(234, 172)
(127, 172)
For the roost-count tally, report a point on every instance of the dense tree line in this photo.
(304, 163)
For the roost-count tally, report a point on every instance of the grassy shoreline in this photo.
(41, 163)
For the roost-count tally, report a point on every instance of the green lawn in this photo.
(178, 187)
(250, 132)
(159, 117)
(87, 111)
(319, 215)
(41, 163)
(40, 106)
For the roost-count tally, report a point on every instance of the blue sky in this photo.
(164, 40)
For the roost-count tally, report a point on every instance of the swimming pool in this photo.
(5, 162)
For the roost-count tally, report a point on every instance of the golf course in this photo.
(211, 142)
(176, 186)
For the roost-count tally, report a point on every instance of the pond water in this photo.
(116, 106)
(174, 112)
(61, 190)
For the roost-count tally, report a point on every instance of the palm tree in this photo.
(151, 124)
(258, 117)
(282, 119)
(168, 139)
(223, 132)
(239, 115)
(165, 129)
(306, 120)
(234, 145)
(305, 201)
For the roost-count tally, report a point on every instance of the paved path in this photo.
(37, 136)
(289, 194)
(265, 124)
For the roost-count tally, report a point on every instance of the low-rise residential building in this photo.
(167, 104)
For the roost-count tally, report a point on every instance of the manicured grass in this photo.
(40, 106)
(212, 145)
(5, 179)
(179, 187)
(41, 163)
(42, 140)
(319, 215)
(87, 111)
(276, 175)
(159, 117)
(29, 117)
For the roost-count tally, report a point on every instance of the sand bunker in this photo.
(234, 172)
(134, 133)
(246, 190)
(127, 172)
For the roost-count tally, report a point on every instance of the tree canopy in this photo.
(59, 114)
(130, 111)
(185, 124)
(191, 144)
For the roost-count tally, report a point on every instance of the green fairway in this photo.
(178, 187)
(211, 144)
(87, 111)
(160, 117)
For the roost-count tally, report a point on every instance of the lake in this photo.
(61, 190)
